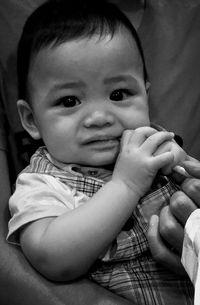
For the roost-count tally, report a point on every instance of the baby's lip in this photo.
(101, 137)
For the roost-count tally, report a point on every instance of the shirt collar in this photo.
(79, 170)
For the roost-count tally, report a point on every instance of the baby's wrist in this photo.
(130, 191)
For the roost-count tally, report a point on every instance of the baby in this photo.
(83, 204)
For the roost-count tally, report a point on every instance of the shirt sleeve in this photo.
(38, 196)
(191, 251)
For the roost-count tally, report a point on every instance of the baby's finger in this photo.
(166, 146)
(139, 135)
(154, 141)
(163, 160)
(125, 139)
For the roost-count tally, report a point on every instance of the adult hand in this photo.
(166, 232)
(183, 203)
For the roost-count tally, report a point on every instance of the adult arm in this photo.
(190, 219)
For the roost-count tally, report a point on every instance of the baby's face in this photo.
(85, 93)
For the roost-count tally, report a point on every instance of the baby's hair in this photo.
(59, 21)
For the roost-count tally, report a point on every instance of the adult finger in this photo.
(178, 174)
(191, 187)
(171, 230)
(192, 166)
(160, 251)
(181, 206)
(189, 168)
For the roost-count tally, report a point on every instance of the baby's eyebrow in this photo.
(120, 78)
(58, 86)
(68, 85)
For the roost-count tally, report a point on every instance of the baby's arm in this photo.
(65, 247)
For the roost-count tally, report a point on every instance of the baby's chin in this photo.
(105, 163)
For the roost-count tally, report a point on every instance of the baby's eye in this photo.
(120, 94)
(69, 101)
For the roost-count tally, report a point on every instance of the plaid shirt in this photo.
(128, 268)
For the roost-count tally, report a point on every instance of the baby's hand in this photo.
(137, 163)
(178, 153)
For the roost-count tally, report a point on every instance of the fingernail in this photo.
(180, 170)
(153, 220)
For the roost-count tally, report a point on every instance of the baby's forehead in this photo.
(54, 22)
(109, 52)
(56, 69)
(95, 38)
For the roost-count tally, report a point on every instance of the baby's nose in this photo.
(99, 118)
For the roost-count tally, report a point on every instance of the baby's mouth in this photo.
(103, 142)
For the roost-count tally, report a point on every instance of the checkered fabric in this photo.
(128, 268)
(41, 164)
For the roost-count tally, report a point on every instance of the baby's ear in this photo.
(27, 119)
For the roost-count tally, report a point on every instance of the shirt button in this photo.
(93, 172)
